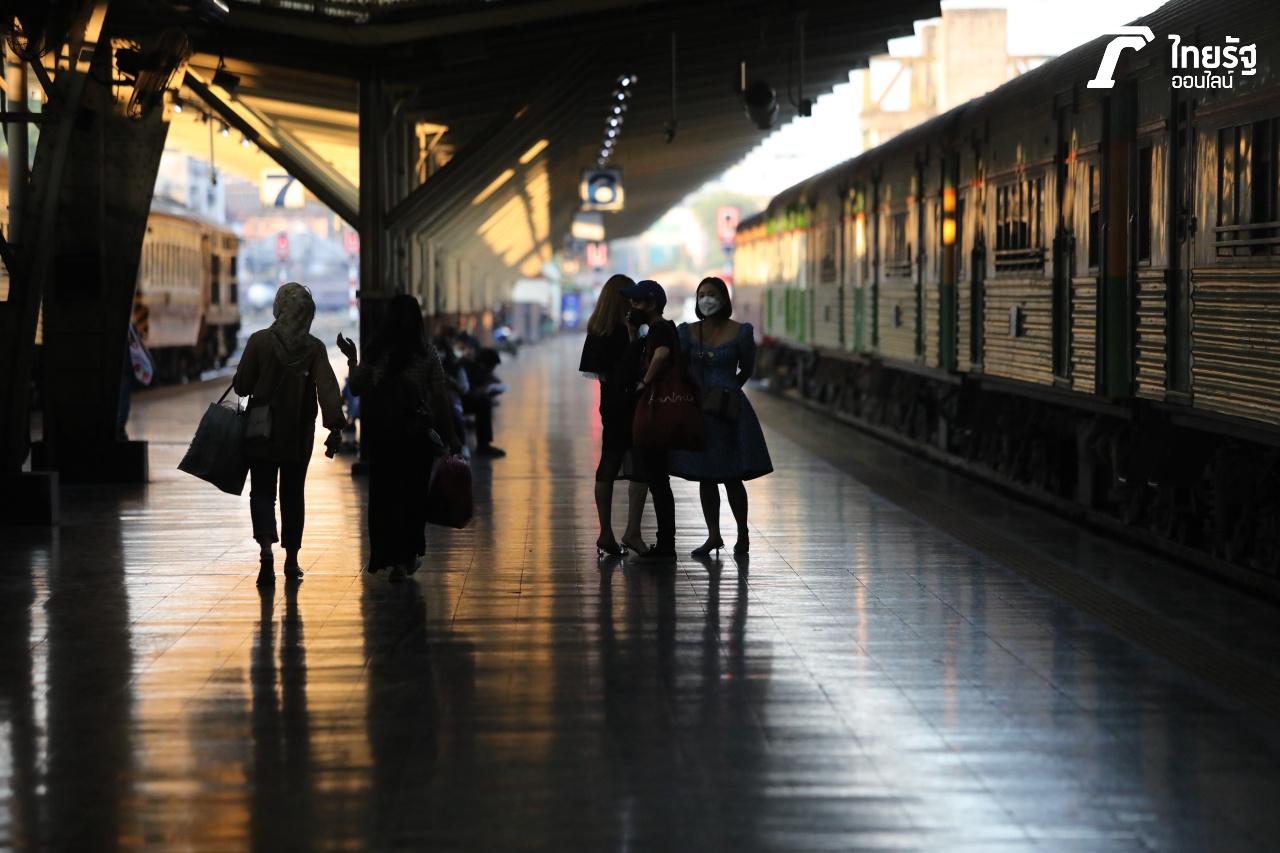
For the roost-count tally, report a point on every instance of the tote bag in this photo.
(668, 416)
(216, 454)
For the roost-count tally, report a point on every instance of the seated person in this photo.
(477, 399)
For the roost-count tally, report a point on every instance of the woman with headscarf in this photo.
(403, 399)
(611, 353)
(285, 372)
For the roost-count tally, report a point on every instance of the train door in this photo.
(1063, 254)
(946, 266)
(922, 213)
(978, 268)
(1182, 224)
(874, 218)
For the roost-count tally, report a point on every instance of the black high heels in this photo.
(710, 545)
(604, 549)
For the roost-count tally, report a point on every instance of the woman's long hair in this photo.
(611, 307)
(401, 335)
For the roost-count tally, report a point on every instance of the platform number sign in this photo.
(281, 190)
(602, 189)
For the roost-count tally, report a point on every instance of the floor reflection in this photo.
(861, 681)
(283, 799)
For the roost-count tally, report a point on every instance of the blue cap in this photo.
(646, 290)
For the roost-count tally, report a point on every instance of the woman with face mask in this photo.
(722, 357)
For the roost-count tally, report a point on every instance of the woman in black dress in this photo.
(401, 383)
(610, 354)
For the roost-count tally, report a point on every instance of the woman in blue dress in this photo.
(722, 356)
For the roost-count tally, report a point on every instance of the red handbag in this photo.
(668, 416)
(449, 501)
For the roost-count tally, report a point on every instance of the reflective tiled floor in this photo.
(866, 682)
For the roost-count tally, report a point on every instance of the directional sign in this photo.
(602, 189)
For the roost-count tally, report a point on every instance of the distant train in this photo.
(1072, 290)
(187, 304)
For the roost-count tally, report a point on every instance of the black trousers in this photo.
(292, 477)
(656, 465)
(480, 405)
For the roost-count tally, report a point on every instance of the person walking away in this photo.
(402, 383)
(722, 358)
(610, 354)
(661, 345)
(285, 372)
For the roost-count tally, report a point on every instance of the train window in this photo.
(1247, 190)
(1095, 215)
(1019, 236)
(232, 267)
(1144, 203)
(897, 251)
(215, 280)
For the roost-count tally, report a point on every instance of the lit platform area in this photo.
(906, 661)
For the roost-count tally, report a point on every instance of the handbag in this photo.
(668, 416)
(216, 454)
(718, 402)
(449, 501)
(258, 421)
(139, 359)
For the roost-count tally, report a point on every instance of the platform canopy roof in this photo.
(486, 82)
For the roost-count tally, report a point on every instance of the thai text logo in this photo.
(1217, 64)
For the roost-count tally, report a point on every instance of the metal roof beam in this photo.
(314, 172)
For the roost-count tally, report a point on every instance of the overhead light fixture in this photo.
(615, 121)
(244, 142)
(226, 80)
(225, 131)
(177, 106)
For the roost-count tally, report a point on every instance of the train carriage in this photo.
(1073, 291)
(187, 301)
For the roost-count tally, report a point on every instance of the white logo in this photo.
(1210, 58)
(1134, 37)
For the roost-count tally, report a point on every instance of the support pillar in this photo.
(32, 498)
(374, 267)
(101, 208)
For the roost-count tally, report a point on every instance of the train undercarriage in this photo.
(1205, 492)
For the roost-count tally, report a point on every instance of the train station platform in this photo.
(907, 660)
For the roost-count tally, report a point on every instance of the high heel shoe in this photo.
(603, 550)
(707, 547)
(636, 546)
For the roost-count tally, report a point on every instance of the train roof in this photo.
(1065, 73)
(168, 207)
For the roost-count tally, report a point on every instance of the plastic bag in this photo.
(216, 454)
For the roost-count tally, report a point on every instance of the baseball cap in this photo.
(646, 290)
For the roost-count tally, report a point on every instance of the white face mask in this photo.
(708, 305)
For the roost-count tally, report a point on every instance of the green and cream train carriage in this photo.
(1072, 290)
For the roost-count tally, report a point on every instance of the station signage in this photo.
(601, 189)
